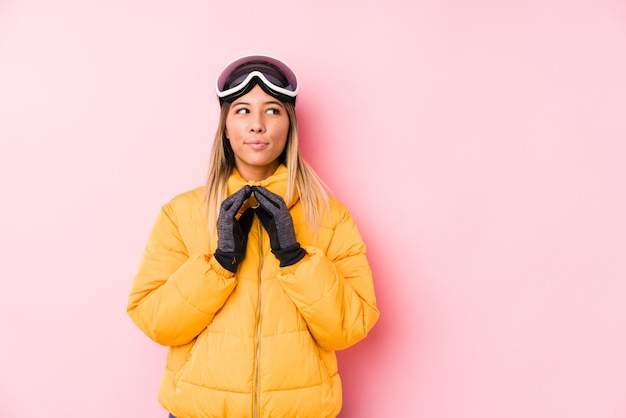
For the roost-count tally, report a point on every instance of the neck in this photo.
(258, 173)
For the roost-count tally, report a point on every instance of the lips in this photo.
(257, 145)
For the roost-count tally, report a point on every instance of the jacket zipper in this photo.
(257, 345)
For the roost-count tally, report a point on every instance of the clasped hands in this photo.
(232, 233)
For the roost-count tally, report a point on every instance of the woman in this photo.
(256, 279)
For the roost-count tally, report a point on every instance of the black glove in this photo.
(232, 234)
(276, 219)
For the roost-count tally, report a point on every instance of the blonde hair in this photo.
(302, 181)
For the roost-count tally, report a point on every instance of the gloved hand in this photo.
(276, 219)
(232, 234)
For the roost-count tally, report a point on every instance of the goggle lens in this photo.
(274, 76)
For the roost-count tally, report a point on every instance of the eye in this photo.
(242, 110)
(273, 111)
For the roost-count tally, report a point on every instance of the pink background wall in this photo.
(480, 145)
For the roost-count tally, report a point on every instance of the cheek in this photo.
(285, 130)
(226, 129)
(231, 127)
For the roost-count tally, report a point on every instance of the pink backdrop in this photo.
(480, 146)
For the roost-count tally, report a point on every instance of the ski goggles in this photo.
(272, 75)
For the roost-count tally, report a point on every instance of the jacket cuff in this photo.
(217, 267)
(291, 269)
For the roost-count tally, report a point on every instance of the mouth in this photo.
(257, 144)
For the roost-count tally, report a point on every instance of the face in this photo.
(257, 126)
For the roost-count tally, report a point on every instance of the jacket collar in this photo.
(276, 183)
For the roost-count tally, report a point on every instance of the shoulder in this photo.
(189, 197)
(186, 206)
(337, 213)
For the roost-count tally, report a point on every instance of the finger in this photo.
(226, 205)
(243, 193)
(265, 204)
(272, 197)
(235, 201)
(268, 202)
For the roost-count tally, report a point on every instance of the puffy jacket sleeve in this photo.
(174, 296)
(334, 291)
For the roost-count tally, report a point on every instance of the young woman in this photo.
(255, 280)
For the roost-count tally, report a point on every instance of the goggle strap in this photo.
(264, 80)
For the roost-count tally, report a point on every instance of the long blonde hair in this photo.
(302, 181)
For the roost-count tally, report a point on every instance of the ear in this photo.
(226, 134)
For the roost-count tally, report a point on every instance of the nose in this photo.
(257, 124)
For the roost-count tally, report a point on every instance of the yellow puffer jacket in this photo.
(260, 343)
